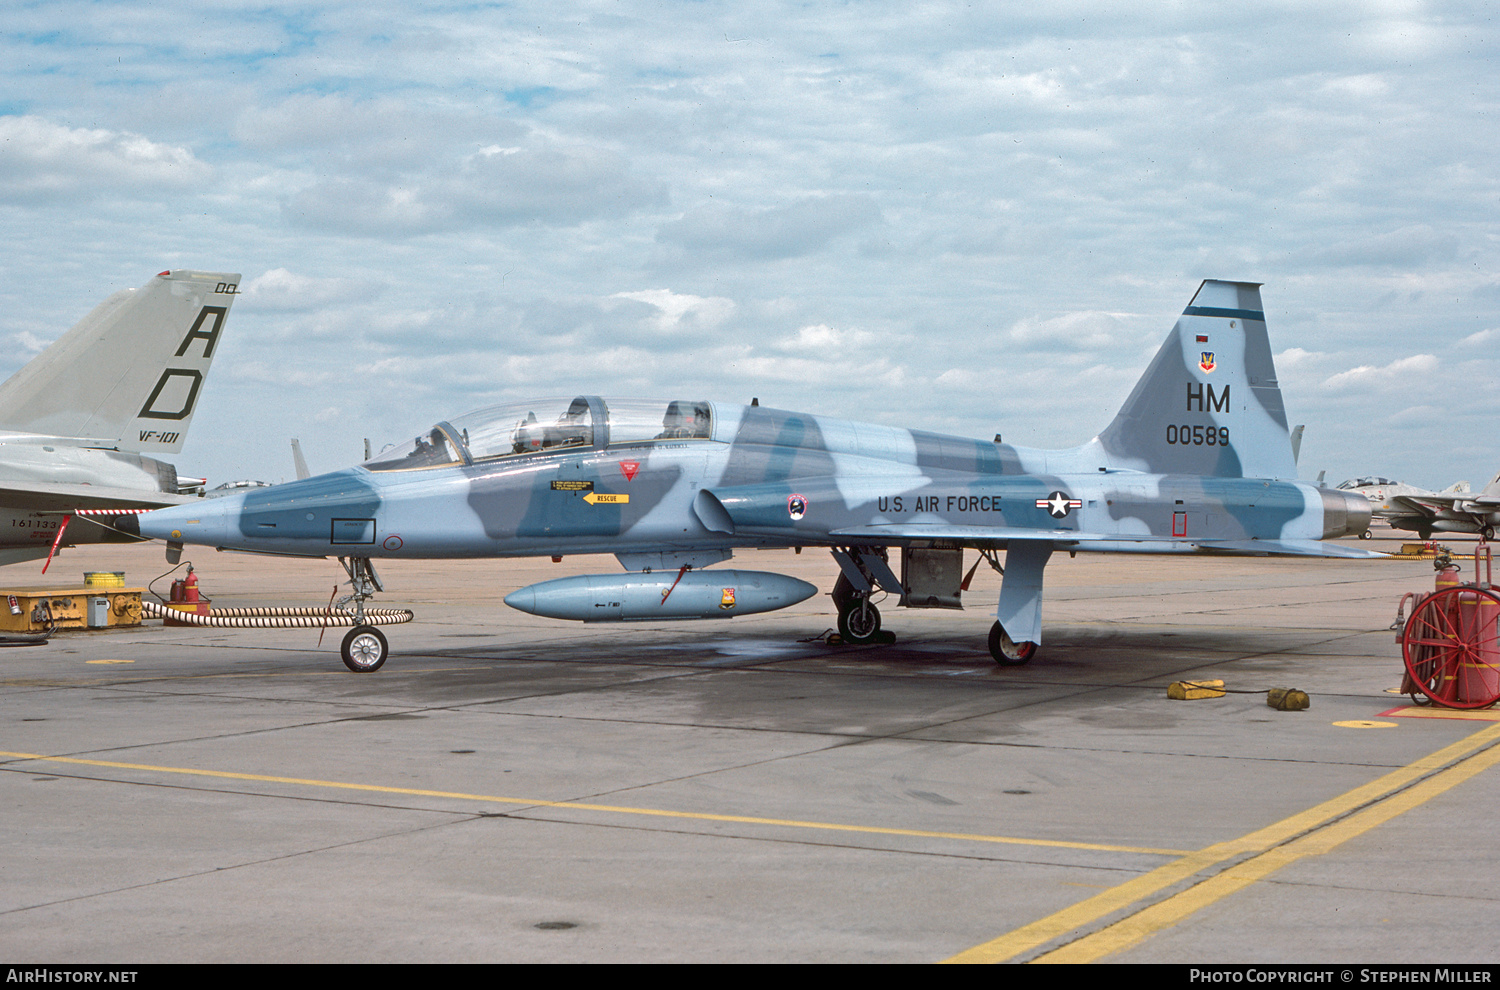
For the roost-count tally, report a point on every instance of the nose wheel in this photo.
(365, 649)
(1006, 650)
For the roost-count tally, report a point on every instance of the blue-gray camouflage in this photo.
(1198, 460)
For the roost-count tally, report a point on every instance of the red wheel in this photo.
(1451, 646)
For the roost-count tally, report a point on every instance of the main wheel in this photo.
(1487, 531)
(860, 622)
(1367, 535)
(1006, 650)
(1451, 647)
(365, 649)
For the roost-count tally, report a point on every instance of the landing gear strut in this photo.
(364, 649)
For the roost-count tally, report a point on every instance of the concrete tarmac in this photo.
(517, 789)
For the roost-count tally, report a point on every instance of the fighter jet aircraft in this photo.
(1197, 461)
(77, 422)
(1452, 510)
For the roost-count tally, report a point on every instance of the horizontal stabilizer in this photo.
(62, 497)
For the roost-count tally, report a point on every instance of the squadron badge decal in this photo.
(1207, 363)
(796, 506)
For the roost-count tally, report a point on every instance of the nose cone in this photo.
(204, 522)
(523, 600)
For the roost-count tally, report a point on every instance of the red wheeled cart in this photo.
(1451, 643)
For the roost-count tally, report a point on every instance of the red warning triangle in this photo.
(629, 468)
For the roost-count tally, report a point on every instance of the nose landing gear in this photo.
(364, 649)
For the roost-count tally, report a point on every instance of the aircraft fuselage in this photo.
(763, 478)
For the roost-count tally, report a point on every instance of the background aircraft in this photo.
(77, 422)
(1198, 460)
(1452, 510)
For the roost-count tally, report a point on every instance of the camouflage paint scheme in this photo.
(1197, 461)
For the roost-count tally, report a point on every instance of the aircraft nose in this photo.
(203, 522)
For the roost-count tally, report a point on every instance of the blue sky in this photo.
(973, 219)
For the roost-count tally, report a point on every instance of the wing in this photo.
(983, 536)
(1426, 507)
(62, 497)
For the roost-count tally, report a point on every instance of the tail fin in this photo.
(131, 371)
(299, 462)
(1209, 403)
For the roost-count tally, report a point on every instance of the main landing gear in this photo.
(1018, 627)
(1006, 650)
(859, 621)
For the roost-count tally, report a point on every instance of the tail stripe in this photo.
(1232, 314)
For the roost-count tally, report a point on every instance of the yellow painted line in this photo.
(1126, 933)
(609, 808)
(1091, 910)
(1470, 715)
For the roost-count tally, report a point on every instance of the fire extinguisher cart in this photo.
(1451, 643)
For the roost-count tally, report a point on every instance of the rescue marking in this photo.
(605, 498)
(614, 809)
(1326, 825)
(572, 486)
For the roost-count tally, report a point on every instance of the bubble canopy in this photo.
(542, 426)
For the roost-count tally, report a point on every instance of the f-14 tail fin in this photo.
(1209, 403)
(130, 371)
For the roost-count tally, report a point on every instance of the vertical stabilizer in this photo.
(1209, 403)
(131, 371)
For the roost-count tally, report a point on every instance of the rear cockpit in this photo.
(549, 426)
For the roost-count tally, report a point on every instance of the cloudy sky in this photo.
(963, 217)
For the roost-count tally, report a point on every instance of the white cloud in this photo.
(279, 289)
(41, 159)
(778, 232)
(674, 310)
(496, 187)
(1405, 372)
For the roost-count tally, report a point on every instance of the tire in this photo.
(859, 624)
(1006, 651)
(1488, 532)
(1367, 535)
(365, 649)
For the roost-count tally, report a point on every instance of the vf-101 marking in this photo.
(673, 487)
(77, 423)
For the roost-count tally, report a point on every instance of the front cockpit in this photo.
(549, 426)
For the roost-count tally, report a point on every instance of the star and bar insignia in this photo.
(1058, 504)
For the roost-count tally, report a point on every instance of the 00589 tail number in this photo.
(1199, 436)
